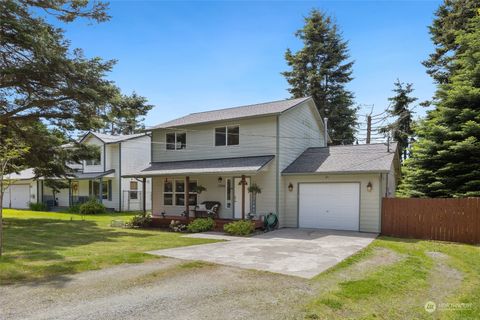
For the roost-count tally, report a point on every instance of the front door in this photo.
(237, 198)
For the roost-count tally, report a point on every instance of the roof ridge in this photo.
(246, 105)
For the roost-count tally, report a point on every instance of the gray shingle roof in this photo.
(107, 138)
(241, 164)
(254, 110)
(26, 174)
(93, 175)
(344, 159)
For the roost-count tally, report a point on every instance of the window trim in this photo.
(226, 135)
(174, 192)
(175, 143)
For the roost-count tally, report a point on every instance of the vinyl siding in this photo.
(135, 157)
(112, 162)
(92, 140)
(370, 202)
(215, 192)
(300, 128)
(257, 137)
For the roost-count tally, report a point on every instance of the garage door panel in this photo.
(329, 205)
(17, 196)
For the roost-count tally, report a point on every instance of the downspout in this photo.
(277, 171)
(119, 176)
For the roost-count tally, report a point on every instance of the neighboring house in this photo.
(22, 191)
(281, 147)
(98, 178)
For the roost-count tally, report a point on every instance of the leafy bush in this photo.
(142, 220)
(92, 207)
(239, 228)
(177, 226)
(74, 208)
(201, 225)
(37, 206)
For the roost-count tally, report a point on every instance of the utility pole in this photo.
(369, 127)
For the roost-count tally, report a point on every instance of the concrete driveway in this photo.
(298, 252)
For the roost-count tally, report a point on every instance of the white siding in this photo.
(136, 155)
(257, 137)
(370, 205)
(92, 140)
(112, 162)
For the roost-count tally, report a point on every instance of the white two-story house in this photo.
(99, 178)
(281, 147)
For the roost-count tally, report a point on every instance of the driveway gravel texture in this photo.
(165, 288)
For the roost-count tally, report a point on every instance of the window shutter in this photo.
(109, 190)
(89, 188)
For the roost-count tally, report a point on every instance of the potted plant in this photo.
(254, 189)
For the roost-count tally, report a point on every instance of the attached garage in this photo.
(329, 206)
(339, 187)
(17, 196)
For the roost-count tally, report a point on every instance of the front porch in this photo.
(164, 222)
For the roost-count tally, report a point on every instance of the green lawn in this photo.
(43, 244)
(395, 278)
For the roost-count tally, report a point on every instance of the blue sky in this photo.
(196, 56)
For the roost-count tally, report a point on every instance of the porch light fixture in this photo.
(369, 186)
(290, 187)
(220, 180)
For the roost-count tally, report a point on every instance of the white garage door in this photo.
(329, 205)
(17, 196)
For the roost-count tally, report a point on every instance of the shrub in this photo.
(92, 207)
(142, 220)
(239, 228)
(201, 225)
(74, 208)
(177, 226)
(37, 206)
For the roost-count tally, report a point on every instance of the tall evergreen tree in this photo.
(445, 160)
(125, 114)
(321, 69)
(400, 109)
(452, 16)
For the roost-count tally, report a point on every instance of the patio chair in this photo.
(207, 209)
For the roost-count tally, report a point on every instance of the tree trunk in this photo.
(1, 217)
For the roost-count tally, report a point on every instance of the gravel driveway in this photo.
(162, 289)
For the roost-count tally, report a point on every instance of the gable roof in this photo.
(247, 111)
(108, 138)
(361, 158)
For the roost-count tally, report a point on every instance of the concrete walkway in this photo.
(298, 252)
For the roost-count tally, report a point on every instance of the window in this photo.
(133, 190)
(168, 193)
(96, 160)
(228, 189)
(94, 189)
(174, 193)
(176, 140)
(227, 136)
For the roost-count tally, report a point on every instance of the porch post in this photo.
(243, 197)
(69, 192)
(187, 191)
(144, 193)
(100, 191)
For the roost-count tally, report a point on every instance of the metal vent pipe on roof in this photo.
(325, 122)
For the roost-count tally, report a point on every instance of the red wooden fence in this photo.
(455, 220)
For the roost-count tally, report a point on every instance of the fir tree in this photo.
(321, 70)
(401, 110)
(446, 158)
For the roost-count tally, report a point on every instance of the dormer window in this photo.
(227, 136)
(176, 140)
